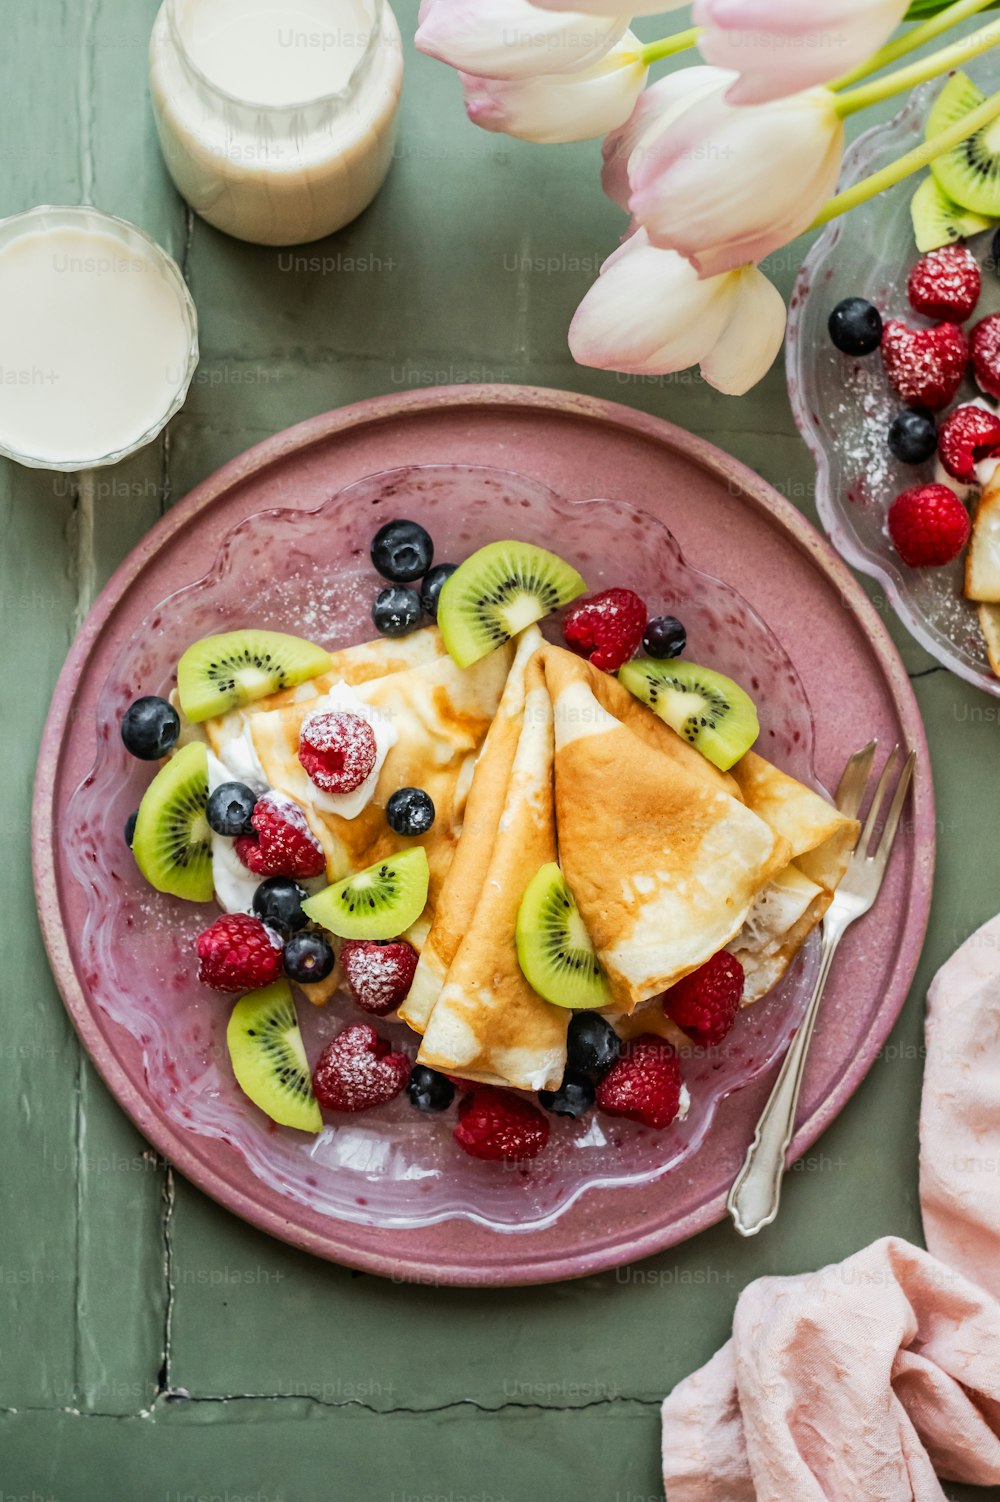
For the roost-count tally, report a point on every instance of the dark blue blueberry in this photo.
(913, 435)
(150, 727)
(278, 903)
(592, 1045)
(664, 636)
(428, 1090)
(994, 260)
(855, 326)
(575, 1096)
(308, 957)
(229, 808)
(396, 611)
(402, 551)
(432, 586)
(410, 811)
(130, 828)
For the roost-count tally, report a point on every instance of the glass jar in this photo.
(277, 124)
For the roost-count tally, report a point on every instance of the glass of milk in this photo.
(98, 338)
(276, 117)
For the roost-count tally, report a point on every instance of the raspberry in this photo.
(967, 435)
(929, 525)
(379, 974)
(608, 627)
(283, 845)
(356, 1071)
(706, 1002)
(238, 954)
(337, 749)
(926, 366)
(499, 1126)
(645, 1084)
(945, 284)
(985, 351)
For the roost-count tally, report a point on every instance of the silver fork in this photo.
(754, 1198)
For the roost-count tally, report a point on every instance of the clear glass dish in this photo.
(843, 407)
(309, 573)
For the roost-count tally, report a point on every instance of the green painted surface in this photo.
(154, 1346)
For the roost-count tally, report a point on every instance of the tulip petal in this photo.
(513, 38)
(661, 103)
(752, 337)
(558, 107)
(607, 7)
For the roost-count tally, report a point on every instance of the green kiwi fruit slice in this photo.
(938, 220)
(172, 843)
(379, 902)
(709, 710)
(499, 591)
(553, 947)
(268, 1059)
(225, 672)
(970, 172)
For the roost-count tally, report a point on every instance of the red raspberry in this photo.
(985, 350)
(356, 1070)
(499, 1126)
(645, 1084)
(238, 954)
(379, 974)
(945, 284)
(706, 1002)
(608, 627)
(284, 845)
(337, 749)
(929, 525)
(967, 435)
(926, 366)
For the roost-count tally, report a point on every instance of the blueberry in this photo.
(994, 258)
(130, 828)
(664, 636)
(396, 611)
(432, 586)
(428, 1090)
(410, 811)
(402, 551)
(229, 808)
(855, 326)
(575, 1096)
(150, 727)
(278, 903)
(592, 1045)
(308, 957)
(913, 435)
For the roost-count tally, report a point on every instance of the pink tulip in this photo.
(780, 47)
(513, 38)
(726, 184)
(604, 7)
(661, 103)
(559, 107)
(649, 313)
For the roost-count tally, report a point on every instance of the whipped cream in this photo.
(238, 754)
(342, 699)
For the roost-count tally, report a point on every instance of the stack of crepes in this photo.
(531, 756)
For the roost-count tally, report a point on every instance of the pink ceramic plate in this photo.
(392, 1193)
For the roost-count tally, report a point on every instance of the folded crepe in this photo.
(488, 1024)
(982, 561)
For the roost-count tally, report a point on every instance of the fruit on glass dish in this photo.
(709, 710)
(938, 220)
(967, 435)
(230, 808)
(645, 1084)
(238, 953)
(606, 628)
(308, 957)
(150, 727)
(225, 672)
(337, 750)
(379, 975)
(925, 366)
(945, 284)
(913, 435)
(402, 551)
(574, 1098)
(855, 326)
(172, 840)
(500, 1127)
(278, 903)
(282, 844)
(497, 592)
(970, 172)
(433, 583)
(664, 636)
(928, 525)
(705, 1004)
(984, 351)
(553, 946)
(592, 1045)
(358, 1070)
(396, 611)
(269, 1060)
(379, 902)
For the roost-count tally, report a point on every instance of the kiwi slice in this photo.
(709, 710)
(379, 902)
(553, 947)
(172, 843)
(497, 593)
(268, 1059)
(937, 220)
(970, 172)
(225, 672)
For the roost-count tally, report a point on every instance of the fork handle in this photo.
(754, 1198)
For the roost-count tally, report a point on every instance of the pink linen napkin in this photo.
(867, 1380)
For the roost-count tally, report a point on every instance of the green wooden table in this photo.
(153, 1346)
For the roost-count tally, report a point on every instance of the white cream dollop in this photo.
(238, 754)
(342, 699)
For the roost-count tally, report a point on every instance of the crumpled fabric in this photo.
(871, 1379)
